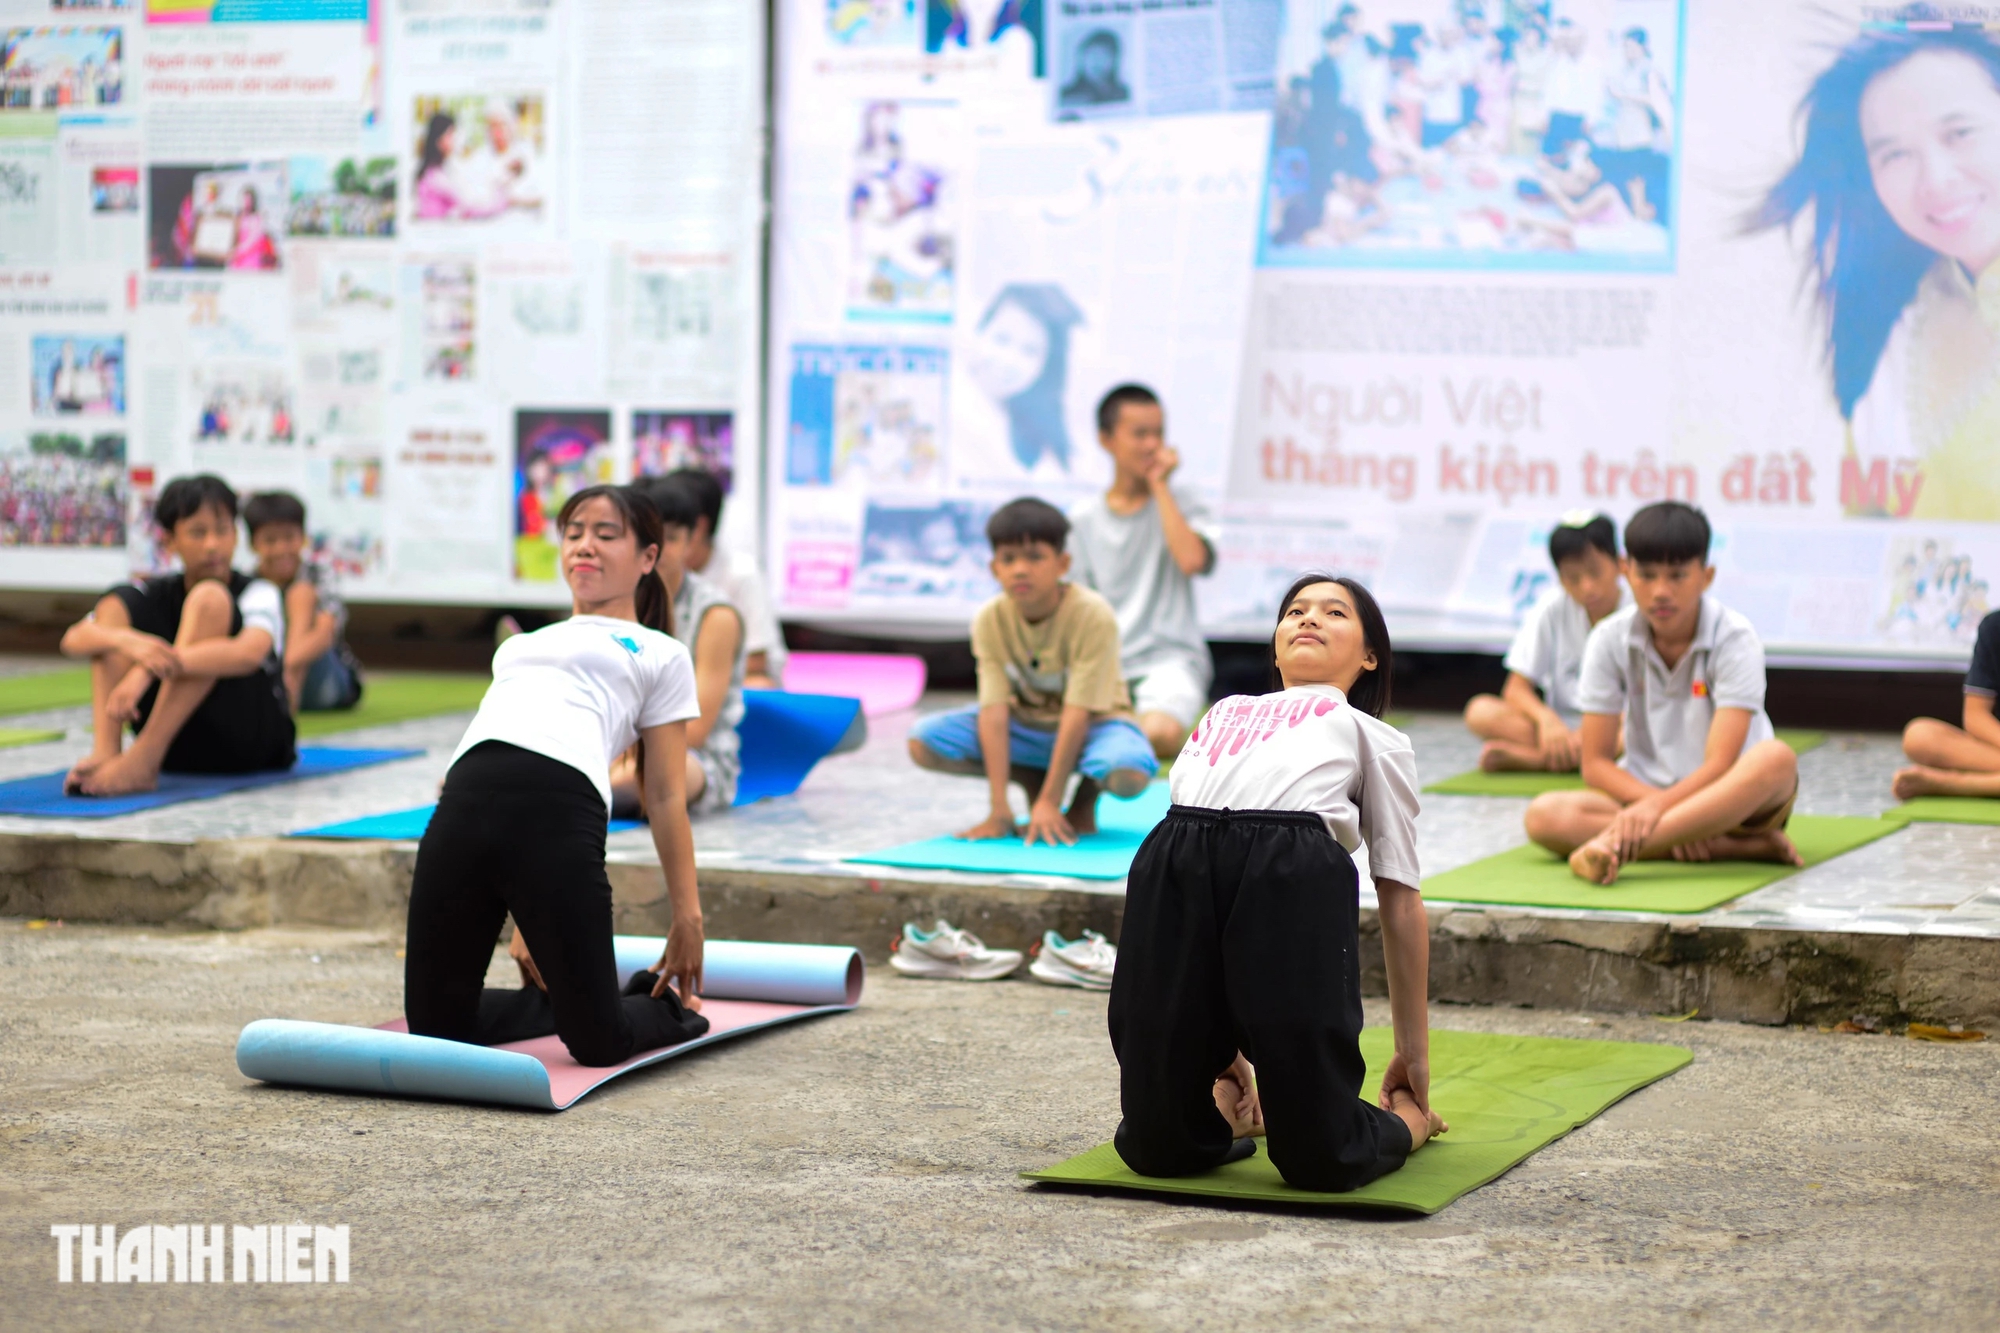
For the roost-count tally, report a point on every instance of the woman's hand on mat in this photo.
(517, 949)
(680, 965)
(1631, 826)
(999, 824)
(153, 653)
(1047, 822)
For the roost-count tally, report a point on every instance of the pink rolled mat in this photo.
(883, 682)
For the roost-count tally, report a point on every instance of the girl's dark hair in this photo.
(432, 153)
(1864, 269)
(649, 599)
(1371, 690)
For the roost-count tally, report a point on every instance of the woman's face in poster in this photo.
(1931, 127)
(1008, 354)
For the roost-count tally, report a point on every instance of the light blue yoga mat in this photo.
(42, 795)
(747, 986)
(784, 735)
(1105, 854)
(403, 826)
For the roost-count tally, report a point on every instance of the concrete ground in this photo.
(859, 1170)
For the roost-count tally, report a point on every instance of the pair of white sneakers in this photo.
(947, 952)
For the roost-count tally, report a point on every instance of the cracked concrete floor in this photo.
(860, 1171)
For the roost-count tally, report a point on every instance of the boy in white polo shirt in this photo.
(1704, 777)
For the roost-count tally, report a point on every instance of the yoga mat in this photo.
(13, 736)
(398, 696)
(1476, 783)
(1504, 1097)
(1105, 854)
(1947, 810)
(42, 795)
(788, 982)
(67, 688)
(883, 682)
(1531, 877)
(783, 735)
(403, 826)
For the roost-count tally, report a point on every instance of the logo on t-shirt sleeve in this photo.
(629, 645)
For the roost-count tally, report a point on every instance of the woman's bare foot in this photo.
(1596, 861)
(1770, 845)
(121, 776)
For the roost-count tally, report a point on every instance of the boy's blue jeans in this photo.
(1113, 743)
(329, 686)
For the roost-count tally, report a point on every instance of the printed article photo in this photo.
(1464, 141)
(873, 22)
(243, 405)
(665, 442)
(351, 197)
(62, 488)
(900, 211)
(478, 157)
(1010, 28)
(61, 69)
(77, 373)
(446, 316)
(937, 552)
(114, 189)
(556, 454)
(874, 413)
(216, 217)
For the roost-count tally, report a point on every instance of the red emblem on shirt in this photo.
(1701, 689)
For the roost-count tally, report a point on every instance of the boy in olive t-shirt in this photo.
(1051, 697)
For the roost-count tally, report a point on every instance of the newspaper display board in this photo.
(428, 264)
(1471, 265)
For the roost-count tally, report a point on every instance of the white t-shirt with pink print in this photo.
(1308, 749)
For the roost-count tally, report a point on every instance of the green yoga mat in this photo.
(68, 688)
(1504, 1097)
(399, 696)
(1531, 877)
(1477, 783)
(1947, 810)
(13, 736)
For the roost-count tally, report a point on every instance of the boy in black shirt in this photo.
(194, 661)
(1959, 761)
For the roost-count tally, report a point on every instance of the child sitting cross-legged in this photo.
(1237, 997)
(1051, 698)
(1704, 777)
(1959, 761)
(1534, 722)
(194, 660)
(321, 674)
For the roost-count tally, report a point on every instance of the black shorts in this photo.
(245, 723)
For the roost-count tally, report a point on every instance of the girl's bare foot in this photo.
(1423, 1125)
(121, 776)
(1596, 861)
(1229, 1101)
(1770, 845)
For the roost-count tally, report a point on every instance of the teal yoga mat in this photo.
(402, 826)
(1504, 1097)
(1105, 854)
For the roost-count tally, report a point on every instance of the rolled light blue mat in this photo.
(42, 795)
(784, 735)
(1105, 854)
(747, 986)
(403, 826)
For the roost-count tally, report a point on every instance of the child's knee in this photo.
(206, 612)
(1923, 735)
(1126, 783)
(1549, 817)
(1775, 760)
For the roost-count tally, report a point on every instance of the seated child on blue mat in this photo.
(1959, 761)
(1051, 697)
(1534, 722)
(1704, 777)
(1237, 997)
(194, 660)
(321, 674)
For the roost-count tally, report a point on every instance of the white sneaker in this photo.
(1087, 962)
(948, 952)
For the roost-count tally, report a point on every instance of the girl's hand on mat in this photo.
(993, 826)
(517, 949)
(1047, 822)
(681, 963)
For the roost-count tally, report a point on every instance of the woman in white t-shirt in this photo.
(520, 825)
(1240, 942)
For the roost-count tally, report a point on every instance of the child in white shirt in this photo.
(1240, 943)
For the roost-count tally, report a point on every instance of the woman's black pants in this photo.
(518, 832)
(1240, 934)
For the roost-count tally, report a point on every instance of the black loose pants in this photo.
(518, 832)
(1240, 933)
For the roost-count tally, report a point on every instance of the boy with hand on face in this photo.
(1051, 698)
(1535, 722)
(321, 675)
(1704, 777)
(194, 660)
(1141, 544)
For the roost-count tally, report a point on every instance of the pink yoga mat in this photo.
(883, 682)
(569, 1080)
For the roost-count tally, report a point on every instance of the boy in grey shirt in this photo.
(1140, 545)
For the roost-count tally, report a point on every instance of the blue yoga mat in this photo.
(403, 826)
(784, 735)
(746, 987)
(1105, 854)
(42, 795)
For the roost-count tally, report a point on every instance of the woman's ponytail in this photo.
(655, 609)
